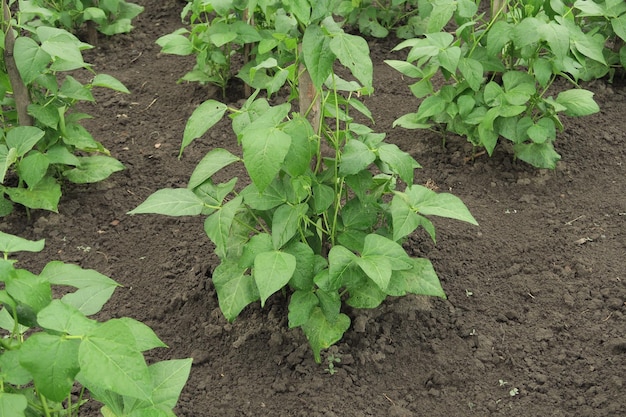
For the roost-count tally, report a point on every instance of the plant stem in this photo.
(20, 91)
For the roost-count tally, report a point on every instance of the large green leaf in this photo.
(53, 362)
(377, 268)
(356, 157)
(33, 168)
(30, 59)
(323, 333)
(272, 271)
(44, 195)
(399, 161)
(10, 243)
(171, 202)
(421, 279)
(340, 259)
(218, 225)
(64, 318)
(202, 119)
(109, 359)
(29, 289)
(303, 146)
(301, 306)
(404, 220)
(144, 336)
(12, 405)
(235, 289)
(264, 152)
(169, 377)
(353, 52)
(367, 295)
(23, 138)
(428, 202)
(93, 168)
(317, 55)
(540, 155)
(578, 102)
(212, 162)
(286, 222)
(108, 81)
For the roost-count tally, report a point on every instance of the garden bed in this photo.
(534, 323)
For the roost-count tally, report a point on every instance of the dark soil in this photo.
(535, 320)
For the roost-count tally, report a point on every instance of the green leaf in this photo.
(46, 115)
(12, 405)
(93, 168)
(302, 278)
(302, 148)
(171, 202)
(257, 244)
(578, 102)
(272, 271)
(53, 362)
(301, 305)
(30, 58)
(355, 158)
(29, 289)
(202, 119)
(45, 195)
(377, 245)
(322, 333)
(440, 15)
(619, 26)
(353, 52)
(218, 225)
(169, 378)
(235, 289)
(23, 138)
(144, 336)
(109, 360)
(399, 161)
(72, 88)
(64, 318)
(377, 268)
(286, 222)
(65, 51)
(540, 155)
(368, 295)
(175, 43)
(273, 196)
(472, 71)
(10, 244)
(317, 55)
(542, 131)
(340, 259)
(449, 58)
(212, 162)
(264, 152)
(12, 371)
(428, 202)
(404, 220)
(108, 81)
(421, 279)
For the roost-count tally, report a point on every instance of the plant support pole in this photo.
(20, 92)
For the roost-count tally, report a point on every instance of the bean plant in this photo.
(41, 139)
(52, 353)
(329, 202)
(498, 74)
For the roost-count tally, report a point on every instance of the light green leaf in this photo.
(578, 102)
(449, 58)
(23, 138)
(540, 155)
(10, 244)
(303, 146)
(340, 259)
(440, 15)
(44, 195)
(404, 220)
(472, 71)
(302, 278)
(108, 81)
(212, 162)
(273, 196)
(93, 168)
(64, 318)
(169, 378)
(428, 202)
(171, 202)
(353, 52)
(421, 279)
(72, 88)
(399, 161)
(202, 119)
(64, 50)
(619, 26)
(542, 131)
(301, 305)
(175, 43)
(264, 152)
(7, 158)
(272, 271)
(28, 289)
(110, 360)
(218, 225)
(257, 244)
(355, 158)
(377, 268)
(12, 371)
(30, 59)
(322, 333)
(323, 197)
(144, 336)
(368, 295)
(317, 55)
(286, 222)
(235, 289)
(12, 405)
(377, 245)
(53, 362)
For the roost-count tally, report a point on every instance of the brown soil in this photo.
(534, 323)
